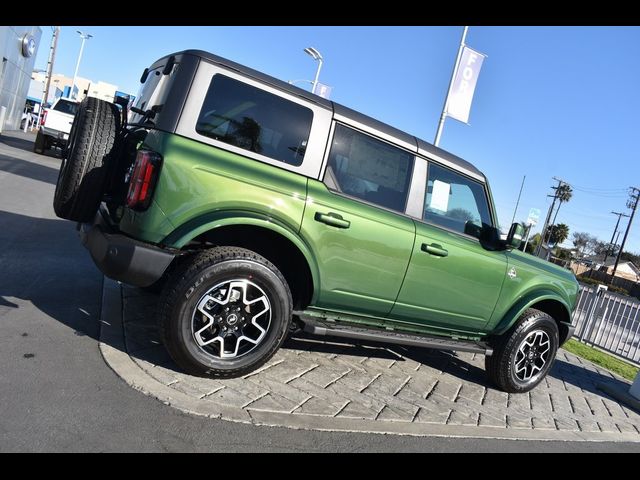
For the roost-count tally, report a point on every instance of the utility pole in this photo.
(47, 82)
(632, 203)
(546, 222)
(615, 230)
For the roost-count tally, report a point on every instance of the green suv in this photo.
(259, 209)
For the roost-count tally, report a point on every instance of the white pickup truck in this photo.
(55, 125)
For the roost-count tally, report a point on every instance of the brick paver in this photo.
(387, 384)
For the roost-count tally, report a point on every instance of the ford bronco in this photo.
(258, 208)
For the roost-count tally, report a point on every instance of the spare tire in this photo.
(92, 145)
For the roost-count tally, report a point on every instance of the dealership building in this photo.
(18, 48)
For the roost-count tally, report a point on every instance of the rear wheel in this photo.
(523, 356)
(225, 312)
(91, 146)
(39, 144)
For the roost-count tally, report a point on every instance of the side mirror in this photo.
(516, 232)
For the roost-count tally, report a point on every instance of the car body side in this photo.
(203, 193)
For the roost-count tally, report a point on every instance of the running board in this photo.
(387, 336)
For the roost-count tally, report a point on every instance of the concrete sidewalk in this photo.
(337, 386)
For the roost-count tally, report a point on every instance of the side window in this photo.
(370, 169)
(252, 119)
(456, 202)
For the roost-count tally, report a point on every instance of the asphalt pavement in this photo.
(56, 392)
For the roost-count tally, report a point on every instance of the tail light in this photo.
(143, 179)
(44, 117)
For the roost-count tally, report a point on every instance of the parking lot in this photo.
(59, 394)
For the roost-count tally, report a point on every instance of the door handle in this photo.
(435, 249)
(332, 219)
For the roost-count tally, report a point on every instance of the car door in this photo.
(453, 282)
(354, 224)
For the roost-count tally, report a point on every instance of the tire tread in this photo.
(179, 278)
(80, 185)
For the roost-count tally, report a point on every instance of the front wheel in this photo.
(225, 312)
(523, 356)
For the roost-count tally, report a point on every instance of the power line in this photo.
(603, 195)
(599, 189)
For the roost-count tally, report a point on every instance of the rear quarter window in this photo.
(247, 117)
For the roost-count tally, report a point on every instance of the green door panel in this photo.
(452, 282)
(362, 251)
(197, 179)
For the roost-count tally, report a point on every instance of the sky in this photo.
(550, 101)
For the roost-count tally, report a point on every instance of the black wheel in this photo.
(523, 356)
(91, 145)
(225, 312)
(38, 145)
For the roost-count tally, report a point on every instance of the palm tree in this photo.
(564, 194)
(558, 233)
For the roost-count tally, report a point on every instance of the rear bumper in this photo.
(123, 258)
(60, 137)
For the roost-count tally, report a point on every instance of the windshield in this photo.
(66, 106)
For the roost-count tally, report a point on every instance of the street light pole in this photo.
(84, 37)
(47, 81)
(315, 54)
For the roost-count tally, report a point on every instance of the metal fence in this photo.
(608, 321)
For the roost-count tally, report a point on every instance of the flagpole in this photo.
(443, 116)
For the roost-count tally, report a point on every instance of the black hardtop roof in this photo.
(335, 107)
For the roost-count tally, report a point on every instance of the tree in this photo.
(586, 243)
(564, 193)
(630, 257)
(558, 233)
(601, 248)
(462, 214)
(581, 240)
(563, 253)
(533, 243)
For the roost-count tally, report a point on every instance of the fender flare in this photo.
(527, 301)
(213, 220)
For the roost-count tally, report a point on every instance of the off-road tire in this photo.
(39, 144)
(84, 166)
(191, 279)
(500, 366)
